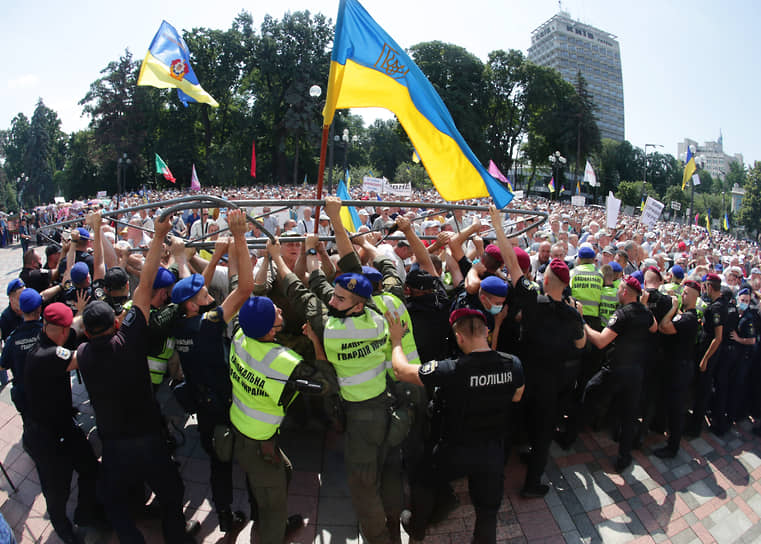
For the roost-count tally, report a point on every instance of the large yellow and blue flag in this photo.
(167, 65)
(349, 216)
(689, 167)
(369, 69)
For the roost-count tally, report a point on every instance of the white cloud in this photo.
(24, 81)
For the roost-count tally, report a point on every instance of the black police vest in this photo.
(475, 403)
(548, 334)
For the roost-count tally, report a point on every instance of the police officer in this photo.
(81, 238)
(266, 378)
(681, 331)
(586, 285)
(79, 286)
(55, 443)
(164, 315)
(744, 336)
(674, 286)
(628, 332)
(115, 371)
(200, 344)
(714, 319)
(609, 294)
(474, 394)
(489, 300)
(11, 316)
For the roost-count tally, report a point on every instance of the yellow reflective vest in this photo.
(388, 302)
(608, 303)
(359, 348)
(258, 372)
(586, 287)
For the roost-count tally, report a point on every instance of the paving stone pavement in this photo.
(711, 492)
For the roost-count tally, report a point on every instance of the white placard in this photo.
(612, 207)
(578, 200)
(695, 179)
(652, 212)
(676, 205)
(59, 199)
(518, 195)
(101, 194)
(403, 189)
(372, 184)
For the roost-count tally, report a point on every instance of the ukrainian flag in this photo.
(167, 65)
(726, 221)
(349, 215)
(708, 222)
(689, 167)
(551, 185)
(369, 69)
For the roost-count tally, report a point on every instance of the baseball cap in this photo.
(494, 286)
(98, 317)
(29, 300)
(355, 283)
(16, 283)
(187, 288)
(256, 316)
(58, 314)
(79, 272)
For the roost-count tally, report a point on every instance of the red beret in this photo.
(58, 314)
(464, 312)
(560, 269)
(524, 261)
(494, 251)
(693, 284)
(633, 283)
(655, 271)
(713, 278)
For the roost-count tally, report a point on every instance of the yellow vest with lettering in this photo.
(258, 372)
(358, 348)
(586, 287)
(386, 302)
(608, 303)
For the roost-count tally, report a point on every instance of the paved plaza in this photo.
(711, 492)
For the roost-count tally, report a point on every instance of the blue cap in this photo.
(372, 274)
(17, 283)
(164, 278)
(639, 276)
(616, 267)
(494, 286)
(677, 271)
(355, 283)
(187, 288)
(84, 233)
(29, 300)
(79, 272)
(256, 316)
(586, 252)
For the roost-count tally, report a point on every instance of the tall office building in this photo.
(570, 47)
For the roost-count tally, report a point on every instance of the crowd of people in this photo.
(436, 341)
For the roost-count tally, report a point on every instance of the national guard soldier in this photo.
(629, 331)
(266, 378)
(55, 443)
(681, 331)
(474, 394)
(745, 338)
(674, 286)
(609, 294)
(586, 286)
(79, 285)
(164, 315)
(11, 316)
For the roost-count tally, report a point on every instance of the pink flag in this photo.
(494, 171)
(195, 185)
(697, 215)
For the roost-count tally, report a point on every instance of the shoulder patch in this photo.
(612, 320)
(525, 283)
(214, 316)
(677, 318)
(428, 368)
(63, 353)
(716, 319)
(129, 318)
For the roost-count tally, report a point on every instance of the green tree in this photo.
(14, 145)
(736, 176)
(42, 157)
(750, 213)
(387, 149)
(630, 192)
(410, 172)
(587, 132)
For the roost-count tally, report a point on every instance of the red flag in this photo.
(253, 159)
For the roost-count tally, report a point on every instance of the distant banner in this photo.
(578, 200)
(696, 179)
(372, 184)
(518, 195)
(101, 194)
(382, 186)
(403, 189)
(59, 199)
(612, 207)
(652, 212)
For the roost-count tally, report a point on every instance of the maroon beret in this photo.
(633, 283)
(713, 277)
(560, 269)
(465, 312)
(58, 314)
(524, 261)
(494, 251)
(693, 284)
(655, 271)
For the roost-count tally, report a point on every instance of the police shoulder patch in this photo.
(612, 320)
(129, 318)
(215, 316)
(677, 318)
(716, 319)
(428, 368)
(63, 353)
(525, 283)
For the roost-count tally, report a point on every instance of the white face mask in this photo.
(495, 309)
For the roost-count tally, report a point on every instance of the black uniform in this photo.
(738, 377)
(23, 339)
(473, 398)
(80, 256)
(115, 371)
(204, 356)
(430, 322)
(38, 279)
(621, 376)
(9, 320)
(678, 371)
(713, 316)
(551, 363)
(55, 444)
(69, 296)
(651, 404)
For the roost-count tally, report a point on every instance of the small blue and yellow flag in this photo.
(726, 221)
(349, 215)
(578, 187)
(167, 65)
(708, 222)
(642, 204)
(368, 69)
(689, 167)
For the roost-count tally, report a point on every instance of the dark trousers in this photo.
(624, 384)
(703, 389)
(56, 454)
(483, 464)
(739, 386)
(678, 378)
(141, 459)
(221, 472)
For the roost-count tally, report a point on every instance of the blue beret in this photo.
(29, 300)
(18, 283)
(372, 274)
(494, 286)
(256, 316)
(677, 271)
(639, 276)
(187, 288)
(79, 272)
(743, 291)
(586, 253)
(164, 278)
(84, 233)
(616, 267)
(355, 283)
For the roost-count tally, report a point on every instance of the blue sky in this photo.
(689, 68)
